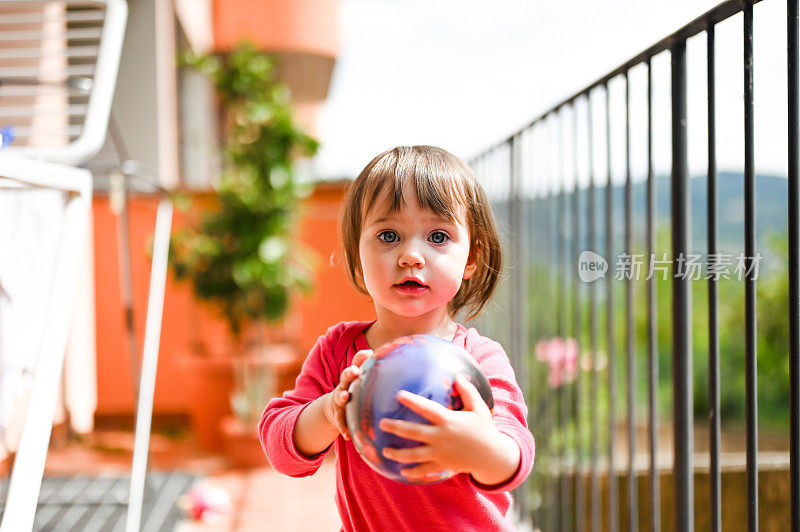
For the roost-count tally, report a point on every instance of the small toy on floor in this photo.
(205, 503)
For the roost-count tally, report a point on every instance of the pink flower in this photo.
(562, 357)
(541, 350)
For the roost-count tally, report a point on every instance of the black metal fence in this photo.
(563, 211)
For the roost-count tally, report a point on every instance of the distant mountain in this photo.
(771, 215)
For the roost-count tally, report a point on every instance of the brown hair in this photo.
(442, 184)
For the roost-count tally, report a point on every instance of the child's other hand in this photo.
(338, 397)
(465, 441)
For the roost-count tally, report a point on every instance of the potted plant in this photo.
(241, 256)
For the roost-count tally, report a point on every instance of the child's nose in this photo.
(410, 257)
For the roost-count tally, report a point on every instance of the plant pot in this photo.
(210, 384)
(263, 373)
(214, 379)
(284, 361)
(241, 444)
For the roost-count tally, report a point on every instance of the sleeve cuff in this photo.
(282, 453)
(294, 452)
(523, 469)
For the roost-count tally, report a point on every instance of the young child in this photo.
(419, 237)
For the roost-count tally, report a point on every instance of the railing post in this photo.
(590, 228)
(751, 375)
(613, 504)
(580, 484)
(714, 426)
(683, 481)
(519, 330)
(652, 322)
(633, 491)
(793, 67)
(567, 493)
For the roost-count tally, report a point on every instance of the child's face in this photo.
(412, 260)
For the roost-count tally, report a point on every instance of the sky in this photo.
(465, 74)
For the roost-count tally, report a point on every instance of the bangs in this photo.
(438, 182)
(444, 186)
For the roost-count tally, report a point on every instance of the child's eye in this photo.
(389, 237)
(439, 237)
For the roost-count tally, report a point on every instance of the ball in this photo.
(421, 364)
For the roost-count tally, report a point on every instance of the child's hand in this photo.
(338, 397)
(465, 441)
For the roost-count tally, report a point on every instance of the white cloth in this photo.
(30, 230)
(80, 364)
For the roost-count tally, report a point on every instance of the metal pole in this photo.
(613, 504)
(567, 498)
(152, 336)
(594, 432)
(518, 317)
(652, 330)
(683, 480)
(793, 67)
(713, 333)
(633, 502)
(119, 205)
(580, 488)
(551, 399)
(751, 375)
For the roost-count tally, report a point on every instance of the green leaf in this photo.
(272, 249)
(239, 256)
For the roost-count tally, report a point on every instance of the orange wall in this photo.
(334, 298)
(188, 322)
(306, 26)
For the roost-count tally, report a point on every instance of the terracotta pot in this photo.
(212, 381)
(210, 384)
(241, 444)
(284, 360)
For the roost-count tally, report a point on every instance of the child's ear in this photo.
(472, 263)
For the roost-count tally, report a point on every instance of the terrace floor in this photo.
(259, 498)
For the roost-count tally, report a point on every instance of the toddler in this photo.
(420, 238)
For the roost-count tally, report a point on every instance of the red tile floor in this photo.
(261, 498)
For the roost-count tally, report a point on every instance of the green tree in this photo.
(241, 256)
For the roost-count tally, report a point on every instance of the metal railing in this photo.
(552, 213)
(58, 70)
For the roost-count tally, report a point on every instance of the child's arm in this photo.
(320, 375)
(324, 419)
(466, 441)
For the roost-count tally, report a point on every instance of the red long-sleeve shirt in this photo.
(366, 500)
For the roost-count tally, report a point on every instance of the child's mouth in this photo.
(410, 287)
